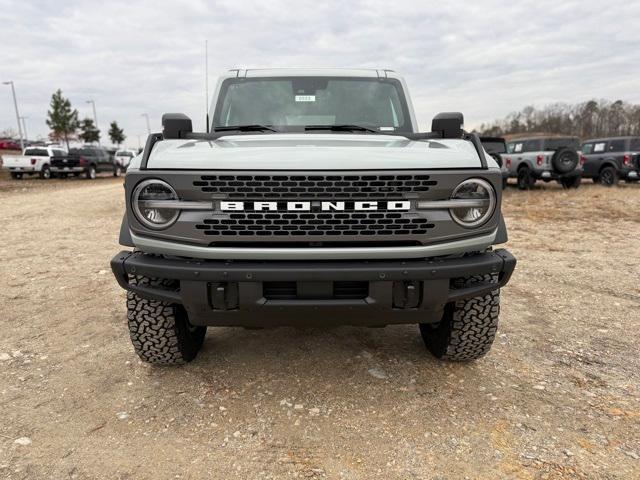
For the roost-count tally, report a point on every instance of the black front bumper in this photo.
(238, 293)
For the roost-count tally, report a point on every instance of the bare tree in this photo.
(588, 119)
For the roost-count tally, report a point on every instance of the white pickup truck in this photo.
(33, 161)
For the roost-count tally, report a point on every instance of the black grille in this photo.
(315, 223)
(350, 290)
(314, 186)
(279, 290)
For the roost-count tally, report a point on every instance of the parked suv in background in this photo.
(544, 158)
(609, 160)
(89, 160)
(497, 148)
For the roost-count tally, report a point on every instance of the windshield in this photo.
(303, 101)
(36, 152)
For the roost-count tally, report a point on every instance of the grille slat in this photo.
(314, 186)
(316, 223)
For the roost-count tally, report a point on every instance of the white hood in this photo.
(312, 152)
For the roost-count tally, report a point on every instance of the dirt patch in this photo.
(557, 398)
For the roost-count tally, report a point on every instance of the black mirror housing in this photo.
(176, 125)
(449, 124)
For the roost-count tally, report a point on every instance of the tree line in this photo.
(585, 120)
(64, 123)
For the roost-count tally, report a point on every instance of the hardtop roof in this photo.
(315, 72)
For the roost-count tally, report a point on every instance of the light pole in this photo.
(24, 128)
(139, 144)
(15, 104)
(146, 116)
(95, 117)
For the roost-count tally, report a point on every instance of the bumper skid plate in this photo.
(271, 293)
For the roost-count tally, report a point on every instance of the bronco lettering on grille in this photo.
(315, 206)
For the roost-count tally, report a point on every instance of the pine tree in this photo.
(89, 133)
(62, 119)
(116, 134)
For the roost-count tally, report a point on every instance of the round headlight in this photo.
(147, 202)
(480, 204)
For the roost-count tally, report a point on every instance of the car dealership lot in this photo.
(557, 397)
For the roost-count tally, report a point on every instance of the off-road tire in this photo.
(90, 174)
(468, 327)
(45, 172)
(525, 179)
(160, 332)
(608, 177)
(16, 175)
(570, 182)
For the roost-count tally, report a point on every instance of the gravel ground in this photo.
(558, 396)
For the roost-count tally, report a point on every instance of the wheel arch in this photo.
(607, 163)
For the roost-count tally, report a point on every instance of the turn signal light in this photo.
(583, 159)
(33, 161)
(626, 160)
(539, 160)
(82, 162)
(508, 162)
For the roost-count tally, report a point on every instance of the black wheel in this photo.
(525, 179)
(16, 175)
(468, 327)
(160, 332)
(117, 171)
(571, 182)
(45, 173)
(609, 177)
(565, 160)
(91, 172)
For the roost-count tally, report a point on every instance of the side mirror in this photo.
(175, 125)
(449, 124)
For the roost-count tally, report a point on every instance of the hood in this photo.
(313, 152)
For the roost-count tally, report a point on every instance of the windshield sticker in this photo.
(305, 98)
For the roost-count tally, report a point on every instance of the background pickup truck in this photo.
(544, 158)
(86, 160)
(33, 161)
(123, 158)
(609, 160)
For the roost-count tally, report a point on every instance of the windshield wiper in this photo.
(245, 128)
(342, 128)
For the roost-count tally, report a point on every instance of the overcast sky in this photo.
(484, 58)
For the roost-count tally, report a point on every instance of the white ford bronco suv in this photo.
(312, 200)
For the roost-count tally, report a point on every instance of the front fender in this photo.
(125, 233)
